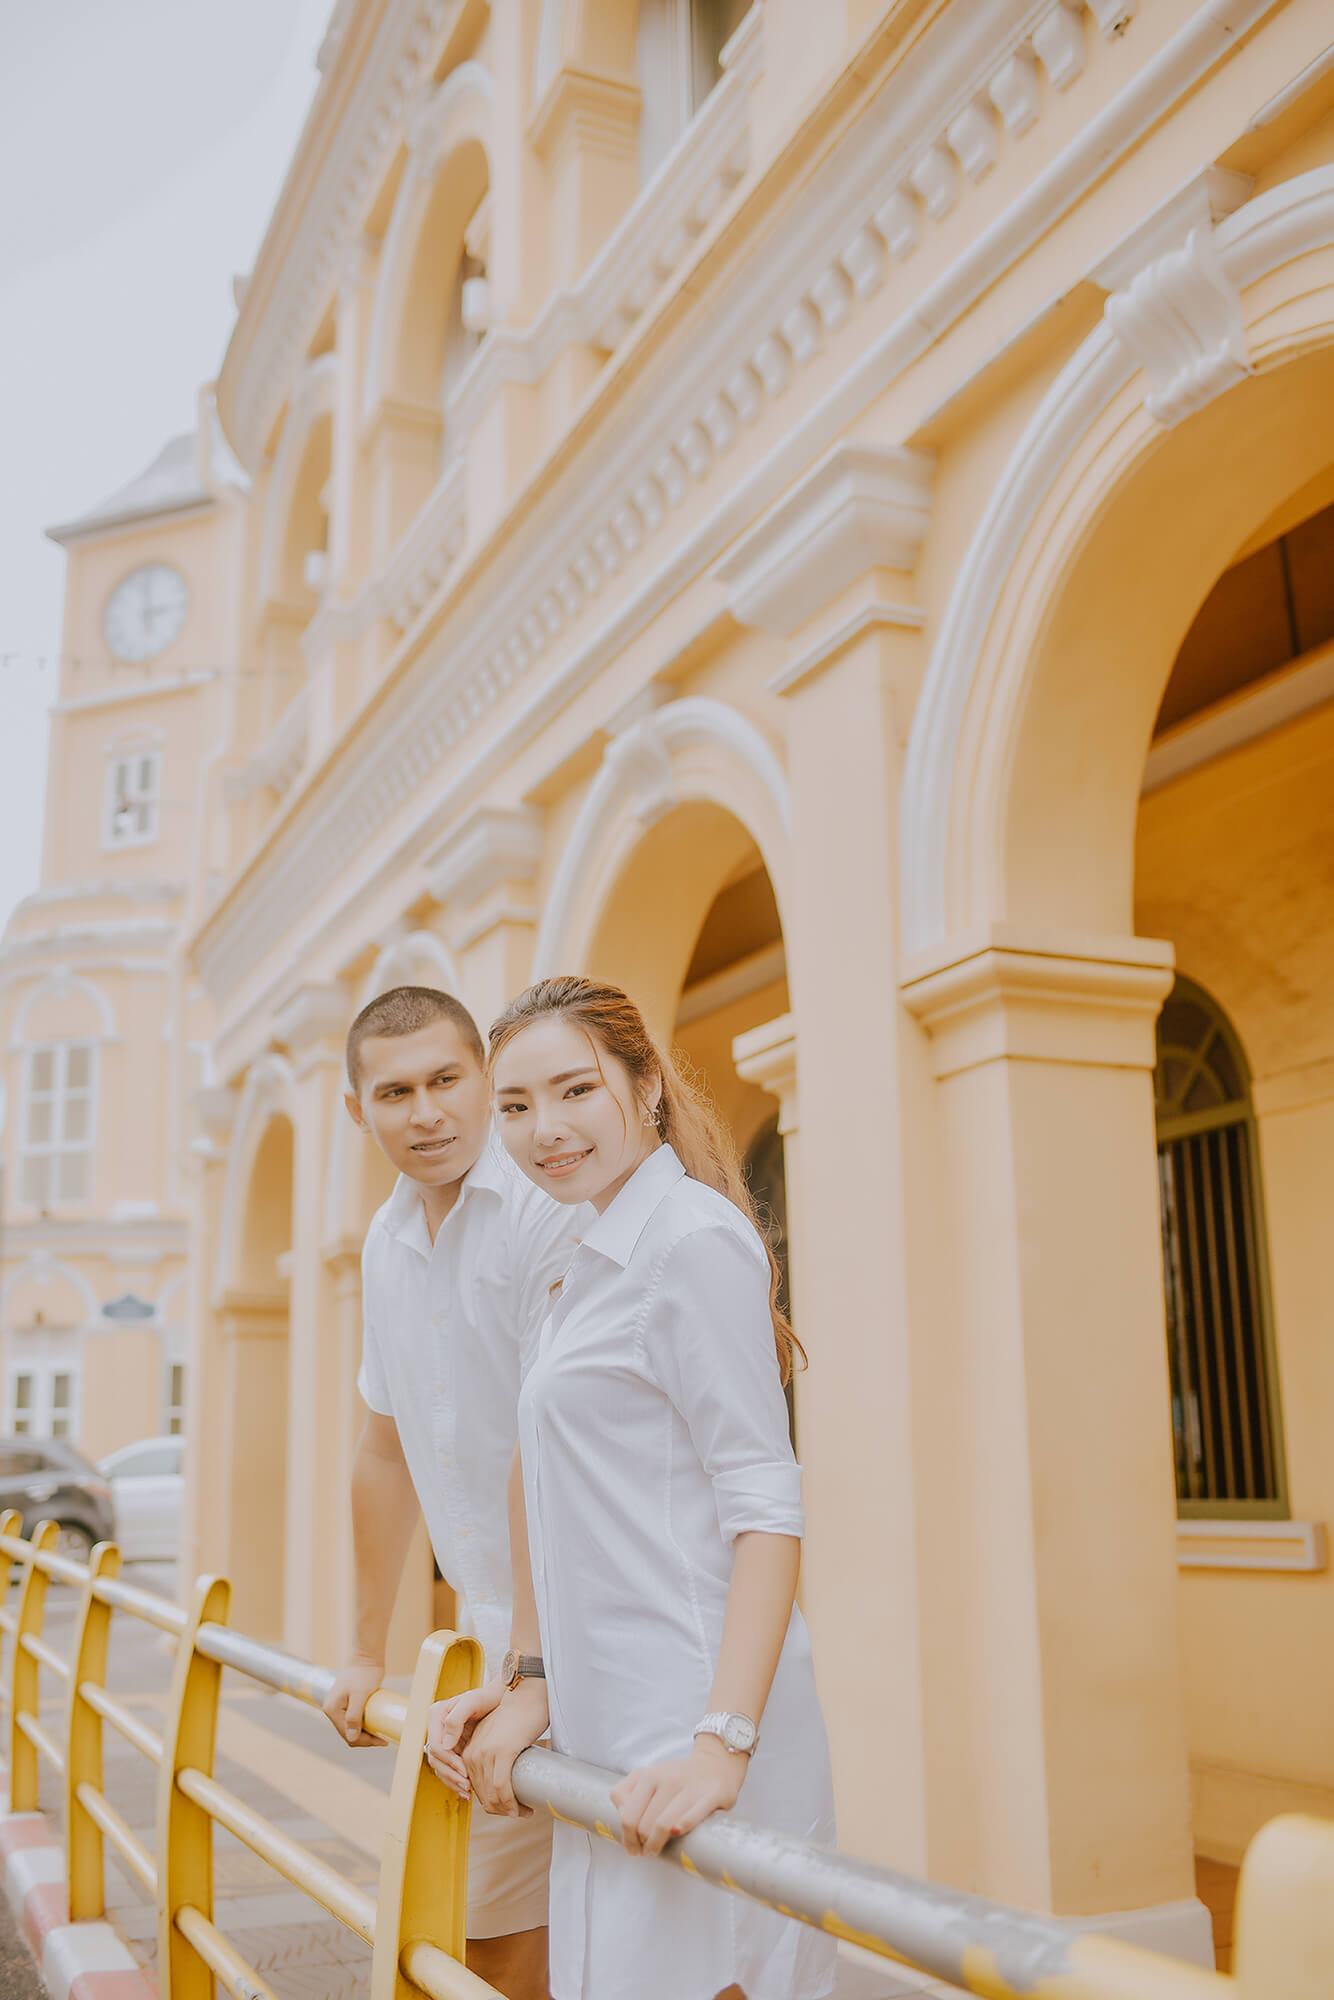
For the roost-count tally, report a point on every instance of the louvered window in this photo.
(1225, 1413)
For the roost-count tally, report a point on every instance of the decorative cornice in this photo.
(767, 1056)
(427, 553)
(995, 1000)
(872, 617)
(1172, 305)
(401, 60)
(600, 111)
(942, 784)
(491, 847)
(313, 1015)
(861, 507)
(737, 367)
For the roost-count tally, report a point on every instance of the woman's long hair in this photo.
(686, 1118)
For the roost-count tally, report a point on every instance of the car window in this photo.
(151, 1463)
(18, 1464)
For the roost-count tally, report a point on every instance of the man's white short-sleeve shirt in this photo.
(450, 1328)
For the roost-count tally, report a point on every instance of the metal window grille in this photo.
(1226, 1431)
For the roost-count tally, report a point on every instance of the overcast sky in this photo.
(142, 147)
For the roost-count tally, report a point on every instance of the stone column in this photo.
(767, 1056)
(484, 874)
(828, 571)
(312, 1025)
(251, 1421)
(1044, 1432)
(203, 1513)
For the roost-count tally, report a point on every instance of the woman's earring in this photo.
(651, 1117)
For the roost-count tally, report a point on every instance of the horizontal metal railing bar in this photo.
(59, 1568)
(341, 1898)
(127, 1725)
(44, 1744)
(240, 1980)
(145, 1604)
(289, 1675)
(37, 1649)
(435, 1973)
(982, 1946)
(127, 1844)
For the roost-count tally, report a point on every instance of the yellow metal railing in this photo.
(417, 1917)
(1284, 1948)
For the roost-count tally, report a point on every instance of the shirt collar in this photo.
(407, 1218)
(616, 1232)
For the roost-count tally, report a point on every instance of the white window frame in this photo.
(42, 1414)
(55, 1147)
(131, 807)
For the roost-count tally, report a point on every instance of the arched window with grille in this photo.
(1226, 1422)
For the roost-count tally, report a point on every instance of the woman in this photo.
(663, 1521)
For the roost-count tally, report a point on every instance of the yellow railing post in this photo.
(83, 1756)
(11, 1524)
(23, 1686)
(1285, 1912)
(184, 1829)
(424, 1867)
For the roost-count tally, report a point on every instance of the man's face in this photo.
(424, 1100)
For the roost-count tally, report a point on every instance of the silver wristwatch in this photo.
(736, 1732)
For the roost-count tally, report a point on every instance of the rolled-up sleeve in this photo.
(709, 1340)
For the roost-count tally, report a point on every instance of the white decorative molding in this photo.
(459, 109)
(297, 294)
(1267, 232)
(492, 846)
(280, 758)
(314, 1013)
(861, 507)
(454, 681)
(59, 983)
(269, 1092)
(996, 998)
(1263, 1545)
(620, 784)
(876, 616)
(342, 621)
(312, 398)
(1172, 305)
(403, 961)
(767, 1056)
(428, 551)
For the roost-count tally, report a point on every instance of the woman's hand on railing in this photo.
(346, 1704)
(487, 1730)
(449, 1728)
(661, 1800)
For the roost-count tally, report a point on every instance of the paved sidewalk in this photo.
(283, 1759)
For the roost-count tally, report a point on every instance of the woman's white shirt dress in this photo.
(654, 1431)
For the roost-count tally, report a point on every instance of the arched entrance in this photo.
(1052, 1454)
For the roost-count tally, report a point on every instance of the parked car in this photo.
(47, 1480)
(147, 1485)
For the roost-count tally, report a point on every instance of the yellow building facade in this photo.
(825, 515)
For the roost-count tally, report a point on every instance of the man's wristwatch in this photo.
(522, 1667)
(735, 1732)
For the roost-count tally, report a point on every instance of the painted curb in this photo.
(83, 1961)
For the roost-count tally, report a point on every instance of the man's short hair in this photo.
(402, 1011)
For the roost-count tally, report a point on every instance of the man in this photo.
(457, 1270)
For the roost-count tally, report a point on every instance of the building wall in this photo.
(835, 504)
(1232, 865)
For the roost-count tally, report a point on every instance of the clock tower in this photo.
(97, 1032)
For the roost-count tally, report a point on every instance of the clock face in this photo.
(145, 611)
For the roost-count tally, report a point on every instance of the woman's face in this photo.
(569, 1113)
